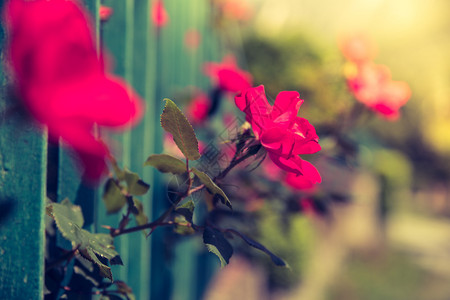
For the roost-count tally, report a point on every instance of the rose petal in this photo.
(254, 103)
(286, 106)
(293, 164)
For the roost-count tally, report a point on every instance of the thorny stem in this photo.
(234, 162)
(189, 191)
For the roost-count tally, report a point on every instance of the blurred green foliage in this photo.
(296, 62)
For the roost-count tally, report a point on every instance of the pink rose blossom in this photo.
(281, 132)
(160, 16)
(52, 54)
(372, 85)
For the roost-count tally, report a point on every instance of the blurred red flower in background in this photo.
(227, 75)
(198, 108)
(371, 84)
(281, 132)
(192, 39)
(237, 9)
(357, 48)
(105, 12)
(60, 78)
(160, 16)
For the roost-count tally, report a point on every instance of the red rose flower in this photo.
(281, 132)
(372, 85)
(60, 78)
(227, 75)
(159, 14)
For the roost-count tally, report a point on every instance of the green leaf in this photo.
(113, 197)
(138, 212)
(182, 226)
(174, 122)
(217, 244)
(89, 254)
(68, 210)
(135, 185)
(186, 210)
(99, 244)
(275, 259)
(212, 188)
(68, 220)
(166, 164)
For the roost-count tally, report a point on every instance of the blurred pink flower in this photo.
(105, 12)
(371, 84)
(227, 75)
(192, 39)
(58, 75)
(281, 132)
(198, 108)
(159, 14)
(237, 10)
(357, 48)
(307, 206)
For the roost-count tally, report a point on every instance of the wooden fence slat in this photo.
(23, 152)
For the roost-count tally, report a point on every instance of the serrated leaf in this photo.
(166, 164)
(174, 121)
(105, 271)
(113, 197)
(102, 244)
(275, 259)
(68, 210)
(216, 243)
(68, 221)
(186, 210)
(212, 188)
(135, 185)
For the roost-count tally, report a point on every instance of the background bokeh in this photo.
(391, 240)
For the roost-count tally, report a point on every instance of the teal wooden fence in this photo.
(157, 64)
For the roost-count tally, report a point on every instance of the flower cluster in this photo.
(280, 131)
(61, 79)
(370, 83)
